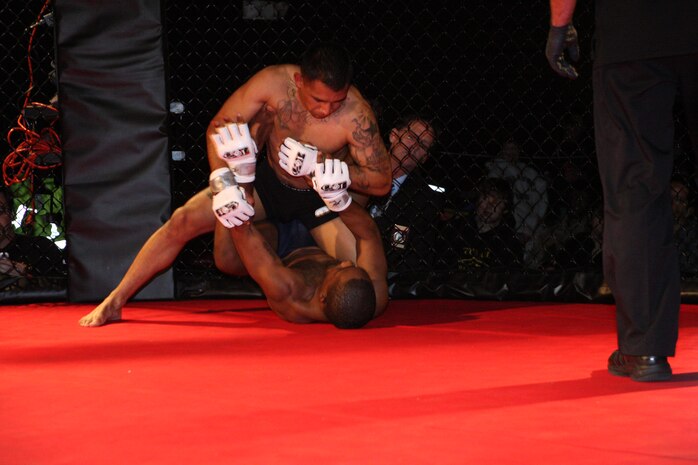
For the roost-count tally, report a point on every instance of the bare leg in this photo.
(335, 239)
(159, 252)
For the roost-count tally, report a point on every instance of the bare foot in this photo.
(104, 313)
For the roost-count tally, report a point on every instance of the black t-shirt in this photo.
(470, 249)
(639, 29)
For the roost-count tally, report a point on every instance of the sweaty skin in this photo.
(339, 123)
(278, 103)
(295, 287)
(107, 311)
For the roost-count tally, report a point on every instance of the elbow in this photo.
(382, 186)
(372, 183)
(291, 316)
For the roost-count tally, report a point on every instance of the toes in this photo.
(88, 321)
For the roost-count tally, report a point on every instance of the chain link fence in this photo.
(32, 243)
(514, 204)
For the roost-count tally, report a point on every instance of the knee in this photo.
(183, 225)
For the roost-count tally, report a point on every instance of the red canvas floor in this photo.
(430, 382)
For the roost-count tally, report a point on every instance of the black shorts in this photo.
(284, 203)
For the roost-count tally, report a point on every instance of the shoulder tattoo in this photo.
(365, 130)
(370, 148)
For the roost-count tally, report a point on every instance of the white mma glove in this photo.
(331, 181)
(234, 145)
(297, 158)
(229, 204)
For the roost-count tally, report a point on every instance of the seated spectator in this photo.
(22, 255)
(483, 237)
(685, 226)
(565, 178)
(564, 242)
(581, 248)
(406, 216)
(528, 186)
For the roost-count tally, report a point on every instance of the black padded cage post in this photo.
(113, 111)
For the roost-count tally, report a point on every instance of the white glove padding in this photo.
(297, 158)
(234, 145)
(229, 204)
(331, 181)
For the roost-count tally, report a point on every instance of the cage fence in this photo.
(513, 205)
(31, 201)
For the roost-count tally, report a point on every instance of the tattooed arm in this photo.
(369, 162)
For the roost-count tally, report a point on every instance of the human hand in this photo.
(10, 268)
(229, 204)
(297, 158)
(331, 181)
(561, 39)
(234, 145)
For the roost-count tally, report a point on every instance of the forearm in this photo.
(11, 268)
(369, 161)
(359, 223)
(369, 251)
(254, 251)
(261, 261)
(214, 160)
(561, 12)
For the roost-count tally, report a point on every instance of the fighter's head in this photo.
(348, 296)
(324, 79)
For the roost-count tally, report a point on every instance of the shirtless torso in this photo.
(311, 262)
(270, 101)
(278, 103)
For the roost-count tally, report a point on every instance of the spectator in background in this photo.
(407, 216)
(528, 186)
(685, 226)
(571, 166)
(483, 237)
(577, 140)
(562, 242)
(22, 255)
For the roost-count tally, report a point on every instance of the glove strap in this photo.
(245, 172)
(338, 203)
(221, 179)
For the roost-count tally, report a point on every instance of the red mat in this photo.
(430, 382)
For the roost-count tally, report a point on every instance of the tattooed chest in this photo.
(292, 117)
(293, 121)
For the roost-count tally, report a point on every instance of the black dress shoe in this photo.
(639, 367)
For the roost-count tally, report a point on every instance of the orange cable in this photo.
(28, 145)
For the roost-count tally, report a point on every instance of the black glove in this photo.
(561, 39)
